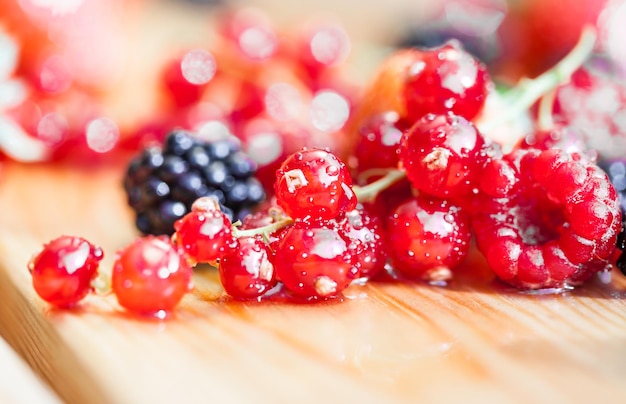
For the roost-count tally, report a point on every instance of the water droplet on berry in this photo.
(102, 135)
(416, 68)
(329, 111)
(198, 66)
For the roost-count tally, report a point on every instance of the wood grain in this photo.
(474, 340)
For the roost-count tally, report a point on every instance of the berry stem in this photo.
(264, 230)
(545, 120)
(528, 91)
(101, 284)
(369, 191)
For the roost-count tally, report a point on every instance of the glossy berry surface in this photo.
(430, 237)
(246, 271)
(556, 227)
(162, 182)
(205, 233)
(62, 272)
(314, 184)
(314, 261)
(443, 155)
(446, 79)
(150, 276)
(379, 141)
(365, 230)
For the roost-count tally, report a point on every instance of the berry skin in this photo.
(205, 233)
(443, 155)
(62, 272)
(430, 237)
(555, 227)
(366, 231)
(314, 184)
(163, 182)
(314, 261)
(446, 79)
(150, 276)
(246, 271)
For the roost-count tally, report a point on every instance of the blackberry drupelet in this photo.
(164, 180)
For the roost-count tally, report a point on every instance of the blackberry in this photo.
(616, 170)
(163, 181)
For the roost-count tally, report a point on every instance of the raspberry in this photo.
(163, 182)
(314, 184)
(556, 227)
(150, 276)
(430, 237)
(62, 272)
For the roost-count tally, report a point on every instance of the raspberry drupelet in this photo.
(553, 225)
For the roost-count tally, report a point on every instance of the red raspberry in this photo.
(443, 155)
(150, 276)
(446, 79)
(429, 238)
(205, 233)
(314, 184)
(556, 226)
(314, 261)
(246, 271)
(62, 272)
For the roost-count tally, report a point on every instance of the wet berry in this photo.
(150, 276)
(163, 182)
(62, 272)
(446, 79)
(314, 261)
(379, 142)
(314, 184)
(246, 271)
(205, 233)
(429, 237)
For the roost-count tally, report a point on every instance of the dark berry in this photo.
(162, 182)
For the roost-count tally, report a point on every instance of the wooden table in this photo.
(474, 340)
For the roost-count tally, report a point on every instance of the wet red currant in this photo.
(314, 261)
(429, 238)
(446, 79)
(150, 276)
(246, 271)
(62, 272)
(314, 184)
(205, 232)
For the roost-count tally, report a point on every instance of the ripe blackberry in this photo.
(163, 181)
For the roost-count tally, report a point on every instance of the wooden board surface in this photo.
(474, 340)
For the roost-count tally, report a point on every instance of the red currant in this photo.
(379, 141)
(62, 272)
(443, 155)
(314, 184)
(429, 237)
(314, 261)
(204, 233)
(150, 276)
(246, 271)
(446, 79)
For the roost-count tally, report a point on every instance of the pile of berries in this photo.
(423, 183)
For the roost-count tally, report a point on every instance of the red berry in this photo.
(314, 184)
(246, 271)
(366, 231)
(314, 261)
(204, 233)
(428, 238)
(150, 276)
(443, 155)
(62, 272)
(556, 227)
(446, 79)
(379, 141)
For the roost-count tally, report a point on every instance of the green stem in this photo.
(369, 191)
(264, 230)
(528, 91)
